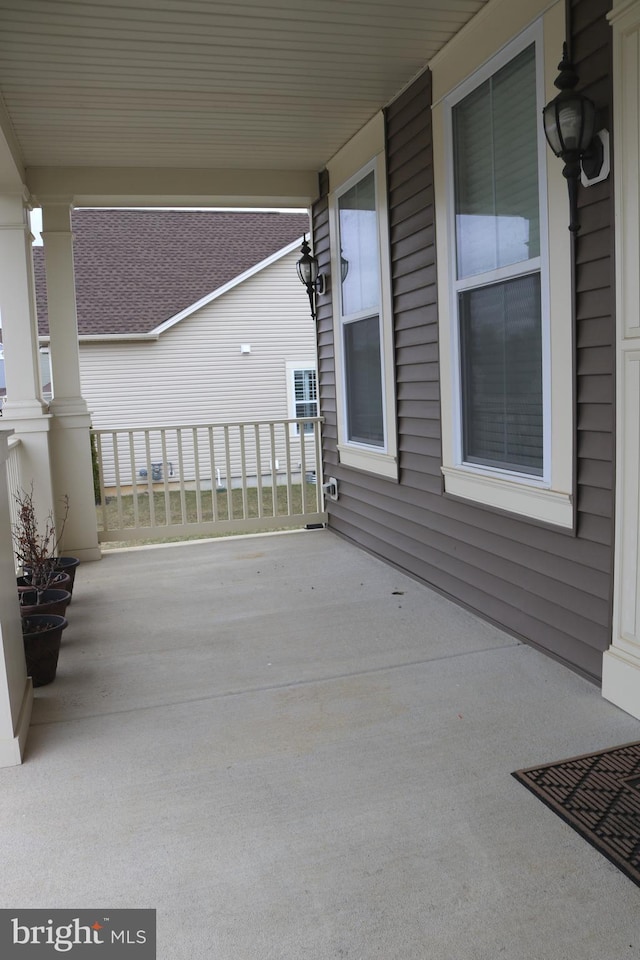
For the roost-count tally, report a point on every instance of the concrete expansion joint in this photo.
(287, 685)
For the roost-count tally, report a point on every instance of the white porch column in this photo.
(16, 692)
(24, 411)
(71, 466)
(621, 664)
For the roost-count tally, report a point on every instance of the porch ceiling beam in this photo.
(171, 187)
(11, 169)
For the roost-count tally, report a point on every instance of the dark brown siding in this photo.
(548, 587)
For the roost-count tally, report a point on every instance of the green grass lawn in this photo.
(174, 508)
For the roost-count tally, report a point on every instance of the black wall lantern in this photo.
(310, 277)
(569, 126)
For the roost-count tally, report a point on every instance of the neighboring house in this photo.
(190, 317)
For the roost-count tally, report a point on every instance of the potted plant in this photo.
(36, 548)
(42, 636)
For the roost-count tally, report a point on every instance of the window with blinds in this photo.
(497, 234)
(360, 311)
(305, 397)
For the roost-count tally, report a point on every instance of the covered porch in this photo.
(260, 105)
(158, 105)
(315, 762)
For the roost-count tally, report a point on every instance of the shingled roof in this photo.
(135, 269)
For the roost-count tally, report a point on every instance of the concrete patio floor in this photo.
(290, 750)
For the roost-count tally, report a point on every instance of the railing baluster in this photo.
(183, 501)
(196, 469)
(214, 475)
(152, 499)
(243, 473)
(287, 449)
(134, 481)
(165, 483)
(116, 467)
(303, 467)
(103, 492)
(256, 428)
(274, 475)
(227, 458)
(317, 439)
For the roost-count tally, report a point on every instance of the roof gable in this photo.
(139, 270)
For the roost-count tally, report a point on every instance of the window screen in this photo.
(502, 375)
(363, 381)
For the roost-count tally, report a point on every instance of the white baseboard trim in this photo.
(12, 751)
(621, 680)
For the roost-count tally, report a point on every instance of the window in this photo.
(497, 232)
(362, 305)
(45, 375)
(360, 312)
(504, 257)
(305, 397)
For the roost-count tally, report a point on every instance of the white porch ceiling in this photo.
(242, 84)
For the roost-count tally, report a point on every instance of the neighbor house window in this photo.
(305, 397)
(363, 324)
(504, 277)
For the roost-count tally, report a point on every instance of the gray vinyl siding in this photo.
(549, 587)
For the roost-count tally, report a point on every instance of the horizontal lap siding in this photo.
(195, 372)
(595, 321)
(413, 265)
(326, 365)
(545, 586)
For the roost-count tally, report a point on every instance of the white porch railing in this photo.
(180, 481)
(14, 477)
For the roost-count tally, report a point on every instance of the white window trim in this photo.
(292, 366)
(364, 153)
(549, 498)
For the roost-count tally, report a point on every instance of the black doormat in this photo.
(598, 794)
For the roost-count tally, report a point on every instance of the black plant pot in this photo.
(44, 601)
(62, 581)
(68, 565)
(42, 636)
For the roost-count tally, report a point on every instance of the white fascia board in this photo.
(98, 337)
(106, 337)
(220, 291)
